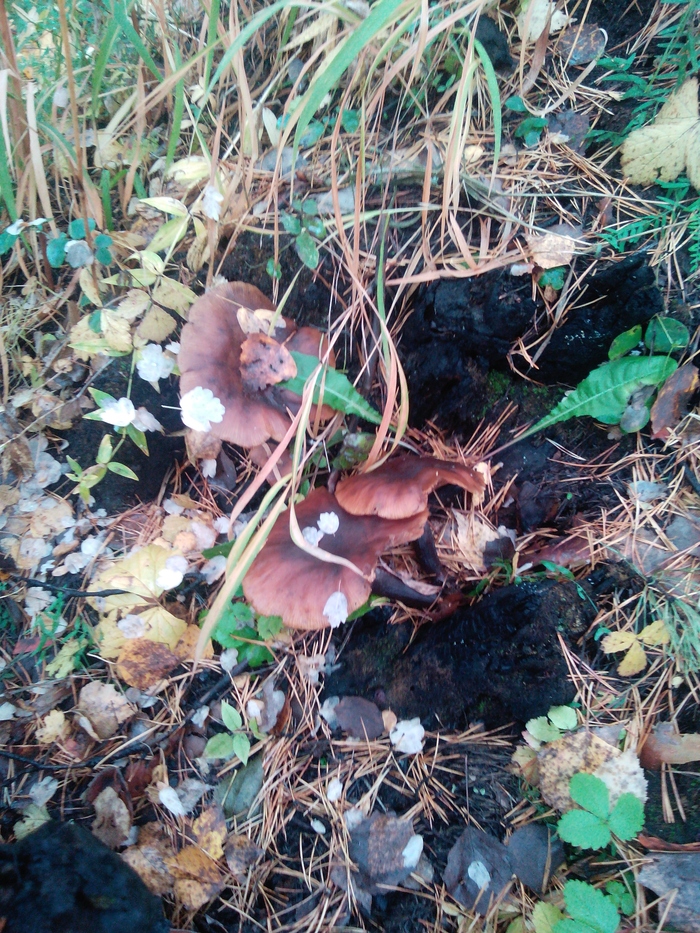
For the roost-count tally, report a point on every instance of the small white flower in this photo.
(170, 800)
(255, 709)
(153, 364)
(412, 852)
(311, 535)
(7, 711)
(60, 97)
(208, 468)
(200, 716)
(327, 710)
(118, 412)
(211, 202)
(407, 736)
(334, 791)
(132, 626)
(214, 568)
(145, 421)
(328, 523)
(200, 407)
(172, 508)
(221, 524)
(36, 599)
(173, 572)
(336, 609)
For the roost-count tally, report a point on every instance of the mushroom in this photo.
(309, 593)
(401, 486)
(239, 366)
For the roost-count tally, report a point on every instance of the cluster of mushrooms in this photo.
(367, 513)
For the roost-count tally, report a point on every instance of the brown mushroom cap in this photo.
(286, 581)
(401, 486)
(210, 356)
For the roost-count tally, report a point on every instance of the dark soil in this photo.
(498, 661)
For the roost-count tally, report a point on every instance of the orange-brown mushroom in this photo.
(210, 356)
(309, 593)
(401, 486)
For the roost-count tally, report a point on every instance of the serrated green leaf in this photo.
(589, 792)
(315, 226)
(665, 334)
(589, 905)
(555, 278)
(572, 926)
(307, 250)
(231, 717)
(604, 393)
(220, 746)
(621, 896)
(121, 469)
(583, 829)
(241, 747)
(563, 717)
(625, 342)
(545, 917)
(338, 391)
(627, 817)
(516, 104)
(269, 626)
(542, 729)
(76, 228)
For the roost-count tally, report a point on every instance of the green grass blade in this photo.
(122, 18)
(495, 95)
(112, 34)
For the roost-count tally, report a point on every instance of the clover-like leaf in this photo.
(627, 817)
(589, 792)
(583, 829)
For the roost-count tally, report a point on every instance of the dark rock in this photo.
(61, 879)
(495, 43)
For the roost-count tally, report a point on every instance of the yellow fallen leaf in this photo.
(634, 661)
(198, 878)
(173, 295)
(558, 761)
(156, 325)
(104, 708)
(143, 662)
(149, 858)
(655, 634)
(89, 289)
(112, 823)
(209, 831)
(54, 728)
(133, 304)
(618, 641)
(671, 143)
(116, 330)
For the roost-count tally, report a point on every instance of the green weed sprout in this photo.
(588, 910)
(593, 825)
(234, 742)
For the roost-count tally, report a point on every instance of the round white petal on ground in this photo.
(479, 874)
(173, 572)
(214, 568)
(413, 851)
(407, 736)
(311, 535)
(208, 468)
(131, 626)
(228, 659)
(200, 407)
(212, 200)
(145, 421)
(153, 364)
(336, 609)
(334, 791)
(328, 523)
(118, 412)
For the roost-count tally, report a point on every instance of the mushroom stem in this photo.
(386, 584)
(427, 554)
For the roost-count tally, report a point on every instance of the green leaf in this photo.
(7, 241)
(103, 255)
(665, 334)
(531, 127)
(138, 437)
(102, 241)
(74, 465)
(307, 249)
(350, 120)
(604, 393)
(625, 342)
(76, 228)
(542, 729)
(563, 717)
(241, 747)
(269, 626)
(102, 398)
(589, 792)
(220, 746)
(338, 391)
(516, 104)
(315, 226)
(169, 235)
(231, 717)
(273, 269)
(627, 817)
(291, 223)
(621, 896)
(573, 926)
(583, 829)
(222, 550)
(587, 904)
(104, 451)
(553, 277)
(56, 250)
(121, 469)
(545, 917)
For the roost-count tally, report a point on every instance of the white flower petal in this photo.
(145, 421)
(153, 364)
(311, 535)
(328, 523)
(200, 407)
(118, 412)
(407, 736)
(131, 626)
(334, 791)
(212, 200)
(336, 609)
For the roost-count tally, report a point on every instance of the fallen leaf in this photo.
(385, 850)
(197, 877)
(149, 858)
(472, 537)
(258, 321)
(478, 870)
(105, 709)
(156, 325)
(666, 746)
(264, 362)
(237, 792)
(569, 127)
(240, 854)
(559, 761)
(675, 878)
(112, 824)
(670, 404)
(116, 330)
(534, 16)
(554, 248)
(582, 43)
(173, 295)
(54, 728)
(209, 831)
(142, 663)
(535, 854)
(633, 643)
(360, 718)
(664, 148)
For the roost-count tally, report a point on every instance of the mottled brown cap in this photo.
(286, 581)
(210, 356)
(401, 486)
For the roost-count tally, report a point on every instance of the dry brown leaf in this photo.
(671, 143)
(197, 877)
(558, 761)
(46, 522)
(142, 662)
(133, 304)
(105, 709)
(669, 407)
(54, 728)
(113, 820)
(258, 321)
(149, 858)
(554, 248)
(264, 362)
(186, 647)
(116, 330)
(666, 746)
(472, 536)
(201, 445)
(209, 831)
(173, 295)
(241, 853)
(156, 325)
